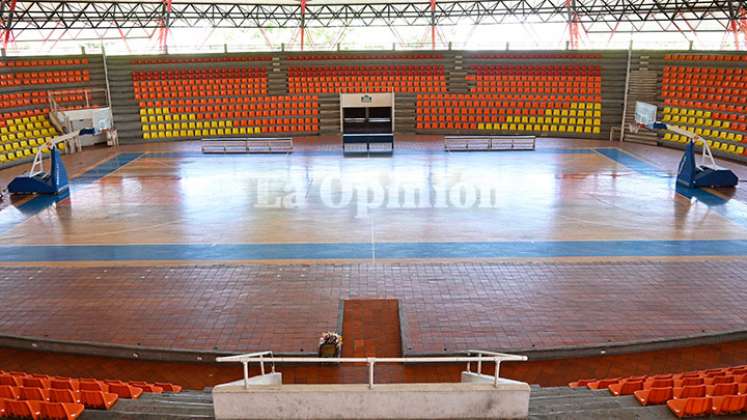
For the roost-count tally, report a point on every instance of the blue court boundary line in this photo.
(362, 251)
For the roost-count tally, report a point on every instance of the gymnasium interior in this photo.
(322, 209)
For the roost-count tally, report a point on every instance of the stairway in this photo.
(277, 78)
(404, 112)
(568, 403)
(329, 114)
(180, 406)
(125, 109)
(643, 86)
(456, 74)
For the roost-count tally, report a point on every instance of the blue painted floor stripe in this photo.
(315, 251)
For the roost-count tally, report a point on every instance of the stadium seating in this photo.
(709, 100)
(520, 56)
(717, 391)
(21, 137)
(510, 113)
(228, 116)
(185, 60)
(368, 56)
(221, 81)
(533, 99)
(90, 392)
(25, 86)
(218, 102)
(364, 78)
(43, 77)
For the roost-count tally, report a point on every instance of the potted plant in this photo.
(330, 344)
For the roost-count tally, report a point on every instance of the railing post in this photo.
(371, 362)
(246, 374)
(497, 370)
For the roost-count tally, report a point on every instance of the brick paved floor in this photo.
(450, 307)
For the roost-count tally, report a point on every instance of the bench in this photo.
(248, 145)
(469, 143)
(353, 143)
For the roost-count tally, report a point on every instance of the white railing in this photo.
(481, 356)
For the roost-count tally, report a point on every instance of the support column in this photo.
(433, 24)
(303, 23)
(738, 24)
(163, 33)
(572, 24)
(7, 10)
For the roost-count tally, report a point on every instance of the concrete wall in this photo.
(510, 400)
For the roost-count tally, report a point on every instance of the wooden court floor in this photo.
(579, 243)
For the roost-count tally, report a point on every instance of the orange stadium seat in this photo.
(58, 383)
(691, 407)
(689, 392)
(9, 392)
(125, 391)
(98, 399)
(625, 387)
(93, 385)
(653, 396)
(23, 409)
(10, 380)
(61, 411)
(722, 389)
(33, 394)
(64, 396)
(729, 404)
(602, 383)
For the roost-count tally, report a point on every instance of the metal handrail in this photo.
(258, 357)
(244, 359)
(504, 356)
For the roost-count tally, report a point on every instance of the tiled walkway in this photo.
(444, 307)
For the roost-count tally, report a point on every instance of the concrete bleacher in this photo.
(180, 406)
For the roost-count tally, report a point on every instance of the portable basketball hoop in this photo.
(645, 116)
(689, 173)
